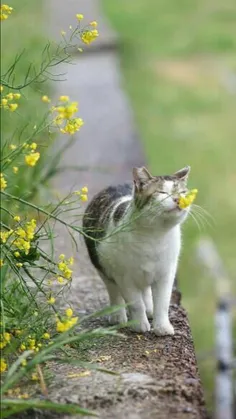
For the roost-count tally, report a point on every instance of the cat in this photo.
(133, 237)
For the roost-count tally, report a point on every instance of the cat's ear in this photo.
(141, 175)
(182, 174)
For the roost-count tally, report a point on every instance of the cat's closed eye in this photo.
(162, 192)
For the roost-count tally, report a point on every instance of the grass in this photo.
(22, 32)
(178, 61)
(23, 36)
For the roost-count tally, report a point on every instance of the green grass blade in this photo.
(39, 404)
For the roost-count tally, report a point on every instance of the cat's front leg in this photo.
(161, 291)
(137, 309)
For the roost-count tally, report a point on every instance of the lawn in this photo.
(178, 62)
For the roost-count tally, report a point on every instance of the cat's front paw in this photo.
(165, 329)
(141, 326)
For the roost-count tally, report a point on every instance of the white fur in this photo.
(142, 259)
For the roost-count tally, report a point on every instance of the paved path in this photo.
(147, 387)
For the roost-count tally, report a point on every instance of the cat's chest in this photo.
(138, 253)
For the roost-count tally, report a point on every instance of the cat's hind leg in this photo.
(116, 299)
(148, 301)
(134, 298)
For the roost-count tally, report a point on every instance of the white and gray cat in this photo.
(134, 240)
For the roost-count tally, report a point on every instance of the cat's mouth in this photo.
(174, 210)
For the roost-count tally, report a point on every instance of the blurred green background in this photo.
(179, 66)
(179, 70)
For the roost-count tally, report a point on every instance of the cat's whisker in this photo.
(196, 221)
(202, 216)
(204, 212)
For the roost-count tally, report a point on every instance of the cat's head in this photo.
(160, 194)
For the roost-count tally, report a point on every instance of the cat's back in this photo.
(98, 212)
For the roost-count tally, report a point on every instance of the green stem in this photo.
(50, 215)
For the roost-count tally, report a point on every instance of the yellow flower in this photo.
(46, 335)
(83, 197)
(89, 36)
(71, 260)
(17, 254)
(19, 265)
(5, 11)
(58, 120)
(60, 280)
(15, 169)
(16, 218)
(63, 33)
(51, 300)
(64, 325)
(23, 362)
(64, 98)
(3, 365)
(1, 88)
(31, 159)
(32, 343)
(79, 16)
(12, 146)
(186, 201)
(16, 95)
(33, 146)
(34, 376)
(21, 232)
(46, 99)
(13, 106)
(72, 126)
(62, 256)
(30, 229)
(4, 102)
(4, 339)
(22, 347)
(4, 235)
(1, 263)
(22, 244)
(63, 267)
(3, 183)
(69, 312)
(23, 396)
(9, 96)
(94, 23)
(70, 110)
(7, 336)
(68, 273)
(84, 190)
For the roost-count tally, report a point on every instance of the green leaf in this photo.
(39, 404)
